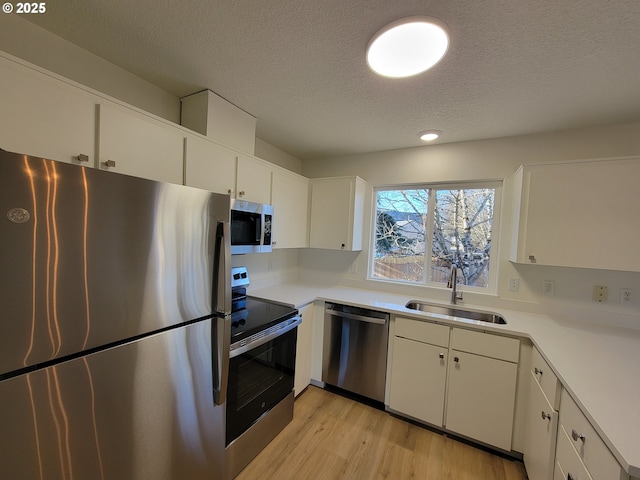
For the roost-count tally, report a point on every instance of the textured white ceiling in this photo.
(513, 67)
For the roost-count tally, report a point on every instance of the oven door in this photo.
(258, 380)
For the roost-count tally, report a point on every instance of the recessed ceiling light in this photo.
(407, 46)
(429, 135)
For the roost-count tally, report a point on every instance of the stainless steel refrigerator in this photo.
(114, 325)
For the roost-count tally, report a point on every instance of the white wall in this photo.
(32, 43)
(481, 160)
(36, 45)
(268, 152)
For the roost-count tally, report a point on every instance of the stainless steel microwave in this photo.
(250, 227)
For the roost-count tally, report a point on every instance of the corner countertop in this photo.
(597, 365)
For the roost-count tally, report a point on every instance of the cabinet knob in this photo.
(230, 191)
(537, 371)
(577, 436)
(82, 157)
(342, 245)
(456, 359)
(546, 416)
(441, 356)
(110, 163)
(241, 193)
(532, 258)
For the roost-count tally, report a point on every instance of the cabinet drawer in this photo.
(485, 344)
(420, 331)
(546, 378)
(568, 463)
(597, 457)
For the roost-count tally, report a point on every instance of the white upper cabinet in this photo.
(337, 209)
(578, 214)
(44, 116)
(253, 181)
(290, 200)
(209, 166)
(136, 144)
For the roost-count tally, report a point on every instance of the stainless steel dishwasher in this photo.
(355, 349)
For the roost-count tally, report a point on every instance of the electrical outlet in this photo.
(600, 293)
(626, 295)
(514, 284)
(548, 288)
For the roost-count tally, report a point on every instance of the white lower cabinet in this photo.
(585, 444)
(542, 426)
(568, 463)
(481, 398)
(418, 378)
(304, 350)
(453, 381)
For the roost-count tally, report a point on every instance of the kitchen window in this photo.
(455, 223)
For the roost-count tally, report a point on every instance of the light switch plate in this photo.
(600, 293)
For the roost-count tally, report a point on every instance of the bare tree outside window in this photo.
(458, 232)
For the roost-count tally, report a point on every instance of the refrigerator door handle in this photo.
(222, 293)
(222, 334)
(222, 327)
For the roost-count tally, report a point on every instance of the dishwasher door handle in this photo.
(353, 316)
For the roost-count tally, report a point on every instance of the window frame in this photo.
(492, 284)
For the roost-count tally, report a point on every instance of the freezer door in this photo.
(92, 257)
(143, 411)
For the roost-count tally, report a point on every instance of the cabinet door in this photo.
(253, 180)
(290, 199)
(481, 398)
(336, 213)
(45, 117)
(542, 426)
(140, 145)
(304, 351)
(209, 166)
(418, 375)
(580, 214)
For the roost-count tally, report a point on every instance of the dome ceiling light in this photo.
(430, 135)
(407, 46)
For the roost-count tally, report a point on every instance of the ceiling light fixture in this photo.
(430, 135)
(407, 46)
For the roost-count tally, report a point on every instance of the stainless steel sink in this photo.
(456, 312)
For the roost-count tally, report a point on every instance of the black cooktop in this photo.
(257, 316)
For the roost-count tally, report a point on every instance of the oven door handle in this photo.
(239, 348)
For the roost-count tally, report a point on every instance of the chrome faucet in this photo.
(453, 285)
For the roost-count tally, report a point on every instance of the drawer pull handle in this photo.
(546, 416)
(537, 371)
(82, 157)
(577, 436)
(456, 359)
(441, 356)
(110, 163)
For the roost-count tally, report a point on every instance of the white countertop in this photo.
(597, 365)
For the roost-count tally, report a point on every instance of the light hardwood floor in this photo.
(332, 437)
